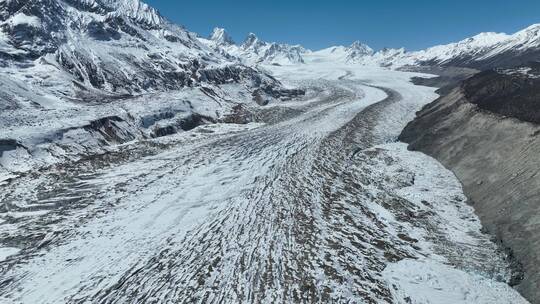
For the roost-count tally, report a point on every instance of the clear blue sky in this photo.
(413, 24)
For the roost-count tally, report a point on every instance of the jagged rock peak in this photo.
(220, 36)
(250, 41)
(134, 9)
(361, 48)
(392, 51)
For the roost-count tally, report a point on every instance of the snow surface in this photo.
(435, 278)
(6, 252)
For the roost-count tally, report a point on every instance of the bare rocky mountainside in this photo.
(486, 129)
(143, 163)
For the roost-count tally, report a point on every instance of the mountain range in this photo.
(485, 50)
(253, 50)
(127, 47)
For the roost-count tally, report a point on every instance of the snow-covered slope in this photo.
(486, 49)
(253, 50)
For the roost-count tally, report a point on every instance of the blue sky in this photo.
(413, 24)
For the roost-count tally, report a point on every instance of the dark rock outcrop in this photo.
(513, 92)
(8, 145)
(187, 123)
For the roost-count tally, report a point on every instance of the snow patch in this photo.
(22, 19)
(6, 252)
(523, 71)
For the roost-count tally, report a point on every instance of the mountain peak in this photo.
(221, 36)
(251, 36)
(361, 48)
(358, 50)
(487, 38)
(357, 44)
(530, 33)
(251, 40)
(135, 9)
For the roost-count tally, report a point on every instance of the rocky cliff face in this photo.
(486, 131)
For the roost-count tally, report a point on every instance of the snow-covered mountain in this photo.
(253, 50)
(120, 47)
(107, 45)
(482, 51)
(485, 50)
(83, 74)
(353, 53)
(220, 37)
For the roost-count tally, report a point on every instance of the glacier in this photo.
(142, 163)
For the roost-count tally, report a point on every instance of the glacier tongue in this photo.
(311, 204)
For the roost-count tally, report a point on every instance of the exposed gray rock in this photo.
(496, 159)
